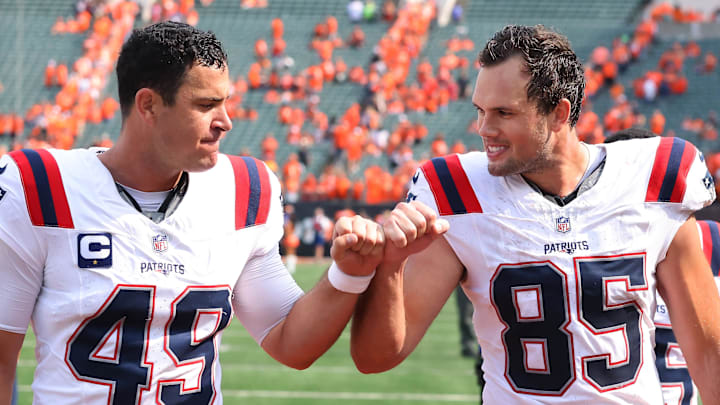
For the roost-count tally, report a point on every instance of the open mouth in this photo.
(495, 150)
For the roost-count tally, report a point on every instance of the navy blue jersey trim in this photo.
(255, 191)
(43, 187)
(448, 184)
(673, 168)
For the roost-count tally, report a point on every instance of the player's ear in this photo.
(560, 115)
(146, 104)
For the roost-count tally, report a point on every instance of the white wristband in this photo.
(347, 283)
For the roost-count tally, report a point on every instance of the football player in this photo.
(559, 245)
(677, 386)
(132, 262)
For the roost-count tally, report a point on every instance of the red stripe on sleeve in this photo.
(681, 182)
(436, 187)
(32, 198)
(57, 189)
(706, 240)
(662, 157)
(463, 184)
(265, 193)
(242, 190)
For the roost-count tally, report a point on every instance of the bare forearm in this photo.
(312, 326)
(379, 325)
(705, 377)
(7, 376)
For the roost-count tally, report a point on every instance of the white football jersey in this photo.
(125, 310)
(678, 387)
(564, 297)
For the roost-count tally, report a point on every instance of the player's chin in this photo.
(206, 162)
(503, 168)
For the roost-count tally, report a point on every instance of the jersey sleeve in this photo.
(679, 176)
(273, 228)
(264, 294)
(441, 183)
(700, 185)
(420, 191)
(22, 252)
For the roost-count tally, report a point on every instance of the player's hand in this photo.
(357, 246)
(410, 229)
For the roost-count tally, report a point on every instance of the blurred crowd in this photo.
(385, 123)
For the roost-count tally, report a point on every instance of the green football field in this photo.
(434, 374)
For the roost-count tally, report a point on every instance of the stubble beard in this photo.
(540, 161)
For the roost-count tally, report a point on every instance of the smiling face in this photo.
(516, 136)
(187, 134)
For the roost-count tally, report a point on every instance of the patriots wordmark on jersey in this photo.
(564, 296)
(127, 310)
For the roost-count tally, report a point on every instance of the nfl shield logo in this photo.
(562, 224)
(160, 243)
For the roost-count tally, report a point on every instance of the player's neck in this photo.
(139, 169)
(566, 170)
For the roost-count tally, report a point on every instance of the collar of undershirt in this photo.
(586, 184)
(169, 205)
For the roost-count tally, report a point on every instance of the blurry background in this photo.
(343, 100)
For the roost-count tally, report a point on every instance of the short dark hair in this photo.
(630, 133)
(555, 70)
(159, 55)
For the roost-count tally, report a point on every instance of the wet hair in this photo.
(159, 55)
(555, 70)
(630, 133)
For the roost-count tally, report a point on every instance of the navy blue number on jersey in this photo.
(126, 316)
(186, 350)
(677, 375)
(129, 309)
(545, 328)
(594, 275)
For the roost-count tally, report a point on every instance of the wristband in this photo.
(347, 283)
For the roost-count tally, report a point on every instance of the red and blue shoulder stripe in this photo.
(450, 186)
(45, 196)
(711, 244)
(668, 180)
(252, 191)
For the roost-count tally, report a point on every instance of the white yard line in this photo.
(366, 396)
(316, 369)
(362, 396)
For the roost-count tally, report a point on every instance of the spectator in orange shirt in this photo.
(439, 146)
(308, 188)
(290, 240)
(458, 147)
(709, 62)
(269, 146)
(108, 108)
(61, 74)
(50, 73)
(278, 27)
(261, 49)
(709, 132)
(657, 122)
(357, 37)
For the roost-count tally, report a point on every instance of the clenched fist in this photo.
(357, 246)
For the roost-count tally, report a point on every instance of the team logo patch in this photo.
(562, 224)
(160, 243)
(94, 250)
(708, 181)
